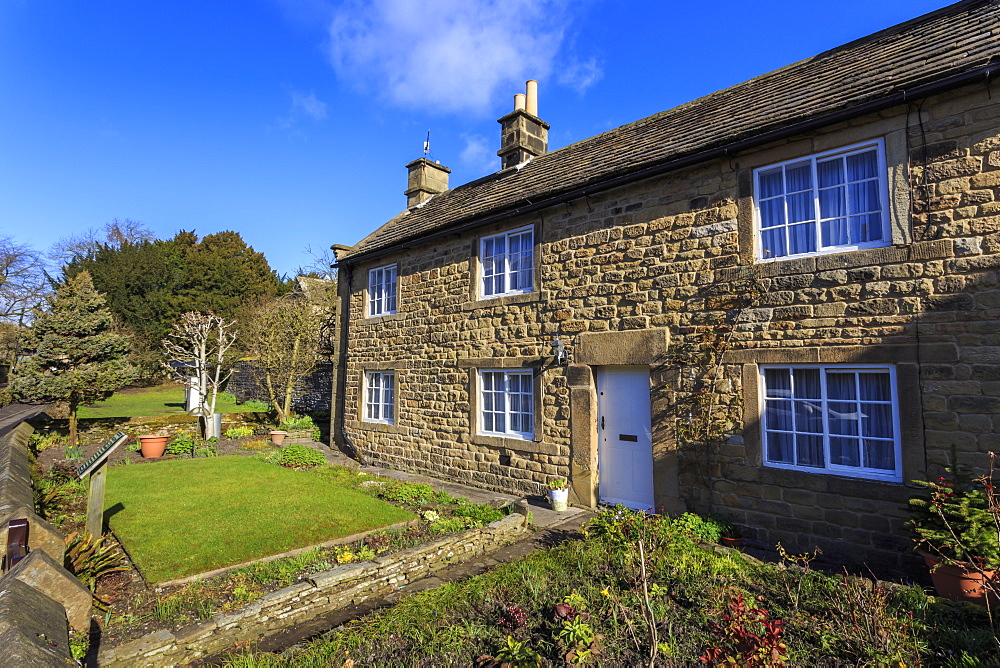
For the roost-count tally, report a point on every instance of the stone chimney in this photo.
(423, 180)
(523, 134)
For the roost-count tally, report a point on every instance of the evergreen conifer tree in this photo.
(77, 357)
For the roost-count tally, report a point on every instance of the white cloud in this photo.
(303, 106)
(448, 55)
(308, 105)
(581, 75)
(479, 154)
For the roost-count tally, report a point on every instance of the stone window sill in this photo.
(518, 444)
(384, 427)
(371, 319)
(503, 300)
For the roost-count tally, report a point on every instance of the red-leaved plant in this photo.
(747, 637)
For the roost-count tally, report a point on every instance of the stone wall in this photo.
(312, 394)
(315, 596)
(39, 599)
(673, 253)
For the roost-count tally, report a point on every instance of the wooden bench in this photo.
(17, 543)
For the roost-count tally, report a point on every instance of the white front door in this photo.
(625, 454)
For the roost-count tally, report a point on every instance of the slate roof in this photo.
(960, 38)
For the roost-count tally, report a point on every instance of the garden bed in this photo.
(640, 591)
(134, 608)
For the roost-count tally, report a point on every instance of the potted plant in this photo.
(153, 445)
(729, 535)
(955, 528)
(559, 493)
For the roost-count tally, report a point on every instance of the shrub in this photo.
(407, 493)
(297, 456)
(297, 422)
(708, 529)
(207, 450)
(301, 423)
(240, 431)
(182, 444)
(448, 524)
(480, 514)
(957, 521)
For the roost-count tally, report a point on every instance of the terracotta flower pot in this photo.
(958, 582)
(153, 445)
(731, 542)
(278, 437)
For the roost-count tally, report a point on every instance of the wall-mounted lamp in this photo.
(559, 352)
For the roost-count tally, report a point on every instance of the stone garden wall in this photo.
(673, 254)
(317, 595)
(39, 599)
(312, 394)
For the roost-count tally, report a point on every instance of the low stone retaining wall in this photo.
(39, 599)
(317, 595)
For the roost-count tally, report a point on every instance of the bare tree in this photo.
(23, 283)
(197, 349)
(114, 234)
(285, 338)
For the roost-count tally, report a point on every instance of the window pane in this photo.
(843, 418)
(802, 238)
(780, 448)
(876, 420)
(880, 454)
(808, 417)
(807, 384)
(835, 232)
(800, 207)
(779, 415)
(844, 451)
(875, 386)
(830, 172)
(770, 183)
(862, 165)
(866, 228)
(862, 197)
(798, 177)
(774, 242)
(772, 212)
(778, 383)
(809, 450)
(833, 203)
(840, 385)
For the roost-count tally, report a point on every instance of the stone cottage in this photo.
(778, 303)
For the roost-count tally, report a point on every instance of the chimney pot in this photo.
(531, 97)
(522, 134)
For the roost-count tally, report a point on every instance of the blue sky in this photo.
(291, 121)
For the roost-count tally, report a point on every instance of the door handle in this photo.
(602, 422)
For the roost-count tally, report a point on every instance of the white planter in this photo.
(559, 499)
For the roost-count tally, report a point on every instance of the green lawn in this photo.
(160, 400)
(188, 516)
